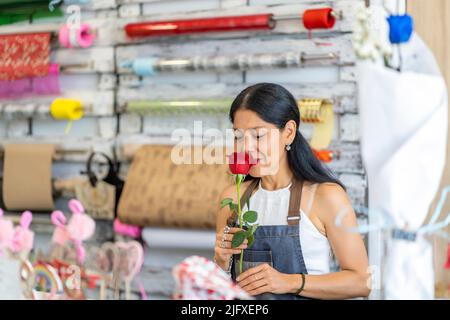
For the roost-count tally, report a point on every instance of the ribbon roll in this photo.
(220, 24)
(66, 109)
(70, 37)
(319, 112)
(142, 67)
(323, 18)
(400, 28)
(324, 155)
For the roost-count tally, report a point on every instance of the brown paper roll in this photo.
(158, 192)
(27, 177)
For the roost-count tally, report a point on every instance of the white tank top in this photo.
(272, 208)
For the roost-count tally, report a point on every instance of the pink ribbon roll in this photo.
(82, 37)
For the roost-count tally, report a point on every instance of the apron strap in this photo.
(295, 200)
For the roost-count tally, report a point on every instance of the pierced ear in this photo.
(290, 130)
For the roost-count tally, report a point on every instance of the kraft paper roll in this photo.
(319, 112)
(27, 177)
(159, 192)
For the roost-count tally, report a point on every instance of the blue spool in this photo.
(400, 28)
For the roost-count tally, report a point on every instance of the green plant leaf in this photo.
(238, 238)
(226, 202)
(250, 216)
(233, 207)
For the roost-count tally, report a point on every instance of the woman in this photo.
(297, 201)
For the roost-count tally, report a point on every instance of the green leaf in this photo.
(251, 240)
(226, 202)
(238, 238)
(250, 216)
(233, 207)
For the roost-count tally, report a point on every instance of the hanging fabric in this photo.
(25, 55)
(36, 86)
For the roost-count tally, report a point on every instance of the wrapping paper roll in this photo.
(169, 238)
(148, 106)
(160, 192)
(201, 25)
(319, 18)
(66, 109)
(152, 66)
(82, 37)
(24, 55)
(27, 175)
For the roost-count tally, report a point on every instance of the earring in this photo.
(288, 147)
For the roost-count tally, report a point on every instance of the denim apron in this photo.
(278, 246)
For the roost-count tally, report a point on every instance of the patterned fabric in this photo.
(25, 55)
(198, 278)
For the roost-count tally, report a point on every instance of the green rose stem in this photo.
(239, 179)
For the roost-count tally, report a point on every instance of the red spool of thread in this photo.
(319, 18)
(220, 24)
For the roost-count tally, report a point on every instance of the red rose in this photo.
(241, 163)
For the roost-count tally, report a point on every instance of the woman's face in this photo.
(262, 140)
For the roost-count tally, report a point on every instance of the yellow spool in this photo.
(66, 109)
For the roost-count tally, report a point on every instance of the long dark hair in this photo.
(274, 104)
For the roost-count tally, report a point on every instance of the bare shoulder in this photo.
(331, 198)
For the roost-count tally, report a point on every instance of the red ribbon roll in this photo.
(318, 18)
(323, 155)
(176, 27)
